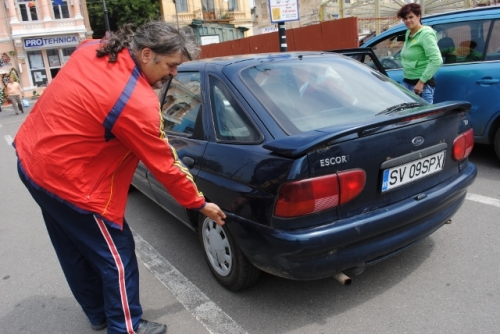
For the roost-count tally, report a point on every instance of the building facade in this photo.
(373, 15)
(37, 37)
(184, 12)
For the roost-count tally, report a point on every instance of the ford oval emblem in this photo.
(417, 141)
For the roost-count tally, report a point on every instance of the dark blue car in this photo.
(321, 163)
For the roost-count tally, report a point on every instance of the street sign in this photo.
(284, 10)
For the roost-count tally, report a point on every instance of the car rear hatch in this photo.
(403, 154)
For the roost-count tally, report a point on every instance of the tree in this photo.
(121, 12)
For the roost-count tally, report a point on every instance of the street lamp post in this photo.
(176, 15)
(106, 19)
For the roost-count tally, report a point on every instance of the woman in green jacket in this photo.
(420, 55)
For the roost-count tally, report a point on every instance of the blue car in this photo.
(321, 163)
(469, 41)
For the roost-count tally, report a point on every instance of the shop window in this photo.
(53, 57)
(57, 58)
(37, 68)
(66, 52)
(60, 8)
(54, 61)
(28, 10)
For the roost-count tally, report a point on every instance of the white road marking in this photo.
(19, 120)
(215, 320)
(483, 199)
(8, 139)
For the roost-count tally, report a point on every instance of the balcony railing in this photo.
(218, 15)
(41, 27)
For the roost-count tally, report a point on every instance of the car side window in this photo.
(462, 42)
(388, 51)
(182, 103)
(231, 122)
(366, 59)
(493, 51)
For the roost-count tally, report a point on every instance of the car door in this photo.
(388, 53)
(363, 55)
(181, 108)
(473, 73)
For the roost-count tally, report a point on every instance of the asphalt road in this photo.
(448, 283)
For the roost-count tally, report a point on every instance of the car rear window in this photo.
(310, 93)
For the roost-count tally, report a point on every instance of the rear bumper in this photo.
(323, 251)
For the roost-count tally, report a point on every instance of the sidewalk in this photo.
(35, 295)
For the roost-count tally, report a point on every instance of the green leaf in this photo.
(121, 12)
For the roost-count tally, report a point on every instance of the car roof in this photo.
(457, 15)
(465, 12)
(250, 59)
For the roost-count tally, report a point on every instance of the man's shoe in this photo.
(99, 327)
(149, 327)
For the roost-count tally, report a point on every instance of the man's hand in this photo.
(212, 211)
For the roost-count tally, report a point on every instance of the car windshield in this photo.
(310, 93)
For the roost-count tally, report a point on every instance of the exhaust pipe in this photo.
(342, 278)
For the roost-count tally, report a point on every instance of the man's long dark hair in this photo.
(161, 37)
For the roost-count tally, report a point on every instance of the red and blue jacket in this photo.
(84, 137)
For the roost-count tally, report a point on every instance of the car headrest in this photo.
(445, 43)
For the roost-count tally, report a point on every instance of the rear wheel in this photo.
(496, 143)
(226, 261)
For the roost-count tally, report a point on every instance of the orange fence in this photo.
(328, 35)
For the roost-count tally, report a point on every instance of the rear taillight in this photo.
(352, 183)
(463, 144)
(317, 194)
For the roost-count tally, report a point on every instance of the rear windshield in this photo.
(310, 93)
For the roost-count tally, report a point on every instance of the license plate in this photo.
(400, 175)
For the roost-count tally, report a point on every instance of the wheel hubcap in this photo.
(217, 247)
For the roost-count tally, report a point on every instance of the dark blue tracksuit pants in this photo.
(98, 261)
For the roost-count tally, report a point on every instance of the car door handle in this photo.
(188, 161)
(487, 81)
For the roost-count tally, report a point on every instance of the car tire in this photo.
(235, 272)
(496, 143)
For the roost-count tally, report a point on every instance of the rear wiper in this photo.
(399, 107)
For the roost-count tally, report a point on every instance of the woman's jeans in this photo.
(427, 92)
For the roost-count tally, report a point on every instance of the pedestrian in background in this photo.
(420, 55)
(78, 150)
(14, 95)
